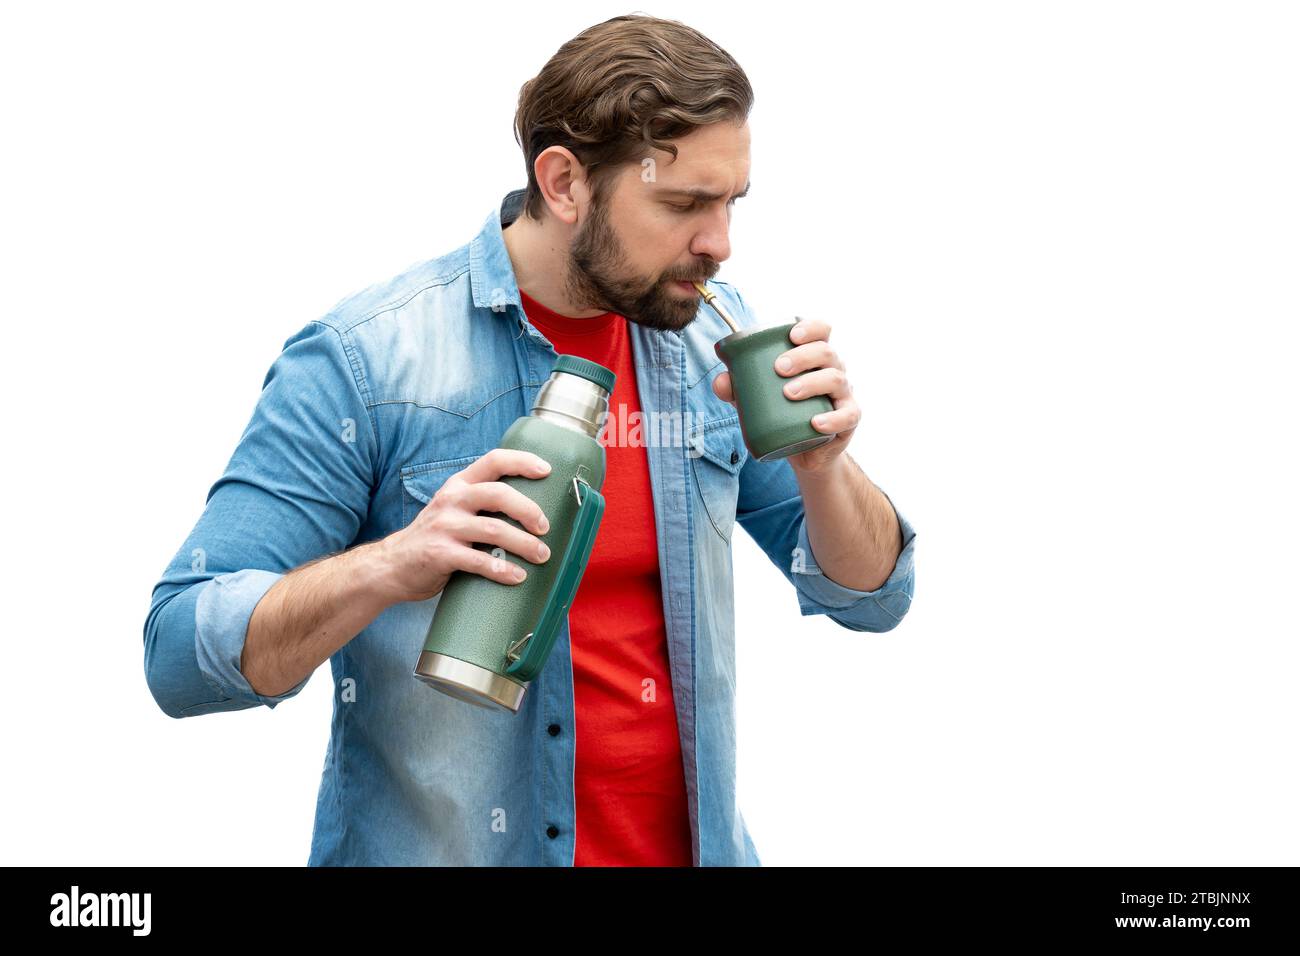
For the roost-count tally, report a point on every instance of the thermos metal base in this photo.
(469, 682)
(806, 445)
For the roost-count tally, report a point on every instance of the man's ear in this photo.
(562, 183)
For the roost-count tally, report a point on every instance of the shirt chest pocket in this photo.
(717, 453)
(421, 481)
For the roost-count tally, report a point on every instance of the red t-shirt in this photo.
(630, 788)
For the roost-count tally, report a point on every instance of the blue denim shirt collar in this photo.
(490, 268)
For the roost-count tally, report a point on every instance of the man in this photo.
(356, 491)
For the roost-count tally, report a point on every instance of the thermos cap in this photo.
(585, 368)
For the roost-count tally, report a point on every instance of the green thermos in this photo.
(488, 639)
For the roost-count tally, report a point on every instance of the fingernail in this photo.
(784, 364)
(543, 552)
(544, 525)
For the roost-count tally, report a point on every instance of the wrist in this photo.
(375, 571)
(830, 472)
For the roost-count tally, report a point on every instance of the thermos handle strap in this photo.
(576, 553)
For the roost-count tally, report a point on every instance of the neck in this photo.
(539, 255)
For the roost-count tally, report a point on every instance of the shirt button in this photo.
(735, 457)
(553, 730)
(552, 831)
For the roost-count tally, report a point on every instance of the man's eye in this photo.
(689, 206)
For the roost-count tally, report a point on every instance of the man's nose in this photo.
(713, 240)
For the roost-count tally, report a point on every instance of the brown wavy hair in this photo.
(622, 87)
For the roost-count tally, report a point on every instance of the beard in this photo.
(598, 278)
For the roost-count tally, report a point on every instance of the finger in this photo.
(493, 566)
(822, 381)
(505, 461)
(500, 497)
(722, 387)
(808, 330)
(844, 418)
(490, 529)
(803, 357)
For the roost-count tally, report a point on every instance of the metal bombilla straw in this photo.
(712, 299)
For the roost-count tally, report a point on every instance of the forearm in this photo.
(852, 527)
(309, 614)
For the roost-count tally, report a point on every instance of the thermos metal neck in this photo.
(573, 402)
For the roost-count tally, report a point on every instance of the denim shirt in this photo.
(362, 417)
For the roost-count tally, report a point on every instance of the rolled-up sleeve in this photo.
(297, 487)
(771, 510)
(221, 617)
(878, 610)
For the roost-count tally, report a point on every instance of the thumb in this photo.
(722, 387)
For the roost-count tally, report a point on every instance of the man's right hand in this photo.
(418, 560)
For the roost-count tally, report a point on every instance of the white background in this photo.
(1071, 234)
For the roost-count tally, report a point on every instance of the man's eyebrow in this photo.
(700, 193)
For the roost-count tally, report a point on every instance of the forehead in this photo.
(712, 162)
